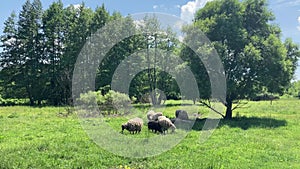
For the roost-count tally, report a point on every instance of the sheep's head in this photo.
(173, 127)
(124, 126)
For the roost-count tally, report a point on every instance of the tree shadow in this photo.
(244, 123)
(146, 105)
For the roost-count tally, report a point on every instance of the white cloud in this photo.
(285, 3)
(155, 6)
(188, 10)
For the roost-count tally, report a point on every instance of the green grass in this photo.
(261, 136)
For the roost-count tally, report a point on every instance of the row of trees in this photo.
(40, 49)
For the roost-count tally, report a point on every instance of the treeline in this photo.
(40, 48)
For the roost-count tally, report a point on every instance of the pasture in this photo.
(261, 135)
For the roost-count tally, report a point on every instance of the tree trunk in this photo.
(31, 101)
(228, 114)
(39, 102)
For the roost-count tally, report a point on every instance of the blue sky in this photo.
(287, 12)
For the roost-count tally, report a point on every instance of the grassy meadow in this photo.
(260, 136)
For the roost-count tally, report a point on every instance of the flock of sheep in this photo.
(156, 122)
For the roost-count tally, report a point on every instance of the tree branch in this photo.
(238, 105)
(208, 105)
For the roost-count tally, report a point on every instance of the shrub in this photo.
(13, 102)
(112, 102)
(116, 102)
(89, 98)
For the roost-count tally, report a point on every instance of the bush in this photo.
(111, 103)
(89, 98)
(117, 101)
(13, 102)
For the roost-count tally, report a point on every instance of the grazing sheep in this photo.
(156, 115)
(154, 126)
(133, 125)
(152, 116)
(166, 123)
(181, 114)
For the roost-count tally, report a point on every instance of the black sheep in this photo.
(154, 126)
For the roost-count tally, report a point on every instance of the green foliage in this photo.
(99, 19)
(111, 103)
(160, 46)
(90, 97)
(41, 47)
(53, 28)
(13, 102)
(294, 89)
(254, 58)
(117, 101)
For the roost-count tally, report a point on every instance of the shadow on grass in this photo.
(146, 106)
(244, 123)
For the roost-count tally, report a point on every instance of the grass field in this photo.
(260, 136)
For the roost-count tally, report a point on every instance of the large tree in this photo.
(158, 54)
(77, 30)
(30, 50)
(10, 60)
(145, 44)
(254, 58)
(53, 29)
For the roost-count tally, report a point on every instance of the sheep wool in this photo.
(133, 125)
(152, 116)
(154, 126)
(156, 115)
(166, 124)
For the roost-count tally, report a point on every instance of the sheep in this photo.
(156, 115)
(133, 125)
(166, 123)
(152, 116)
(181, 114)
(154, 125)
